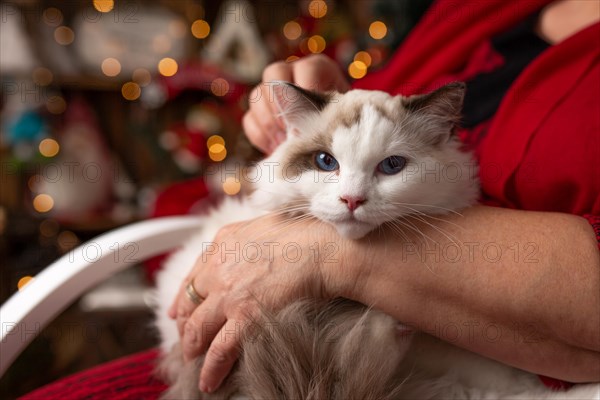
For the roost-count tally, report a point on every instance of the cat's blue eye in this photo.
(392, 165)
(325, 161)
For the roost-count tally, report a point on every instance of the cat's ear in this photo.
(442, 107)
(296, 104)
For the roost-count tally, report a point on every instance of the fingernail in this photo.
(204, 388)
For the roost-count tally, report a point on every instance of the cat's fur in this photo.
(339, 349)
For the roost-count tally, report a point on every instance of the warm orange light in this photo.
(316, 44)
(131, 91)
(231, 186)
(292, 30)
(49, 147)
(56, 105)
(364, 57)
(111, 67)
(104, 6)
(357, 69)
(219, 87)
(200, 29)
(24, 281)
(167, 67)
(215, 139)
(317, 8)
(292, 58)
(64, 35)
(42, 76)
(217, 152)
(43, 203)
(377, 30)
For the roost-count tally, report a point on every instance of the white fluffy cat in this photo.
(355, 160)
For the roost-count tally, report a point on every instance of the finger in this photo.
(267, 114)
(221, 356)
(264, 125)
(185, 306)
(278, 71)
(172, 312)
(201, 328)
(255, 134)
(320, 73)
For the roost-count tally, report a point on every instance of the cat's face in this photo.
(365, 158)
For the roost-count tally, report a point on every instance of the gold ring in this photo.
(192, 294)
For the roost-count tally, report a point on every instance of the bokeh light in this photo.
(111, 67)
(49, 228)
(142, 77)
(317, 8)
(292, 58)
(219, 87)
(292, 30)
(316, 44)
(64, 35)
(377, 30)
(231, 186)
(67, 240)
(104, 6)
(52, 16)
(43, 203)
(363, 57)
(217, 152)
(42, 76)
(131, 91)
(357, 69)
(200, 29)
(49, 147)
(215, 139)
(167, 67)
(24, 281)
(56, 105)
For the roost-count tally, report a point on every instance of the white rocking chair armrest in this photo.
(27, 312)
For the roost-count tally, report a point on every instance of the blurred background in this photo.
(113, 112)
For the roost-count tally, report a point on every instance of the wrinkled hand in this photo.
(267, 262)
(316, 72)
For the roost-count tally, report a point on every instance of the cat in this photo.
(356, 160)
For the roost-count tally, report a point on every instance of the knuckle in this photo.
(218, 355)
(317, 60)
(271, 71)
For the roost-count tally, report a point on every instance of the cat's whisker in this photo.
(420, 216)
(428, 205)
(417, 247)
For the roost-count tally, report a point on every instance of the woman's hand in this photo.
(267, 263)
(316, 72)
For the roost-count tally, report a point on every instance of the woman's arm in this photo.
(520, 287)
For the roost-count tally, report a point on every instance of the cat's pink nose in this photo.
(353, 202)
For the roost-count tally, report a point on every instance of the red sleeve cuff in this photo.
(555, 384)
(594, 220)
